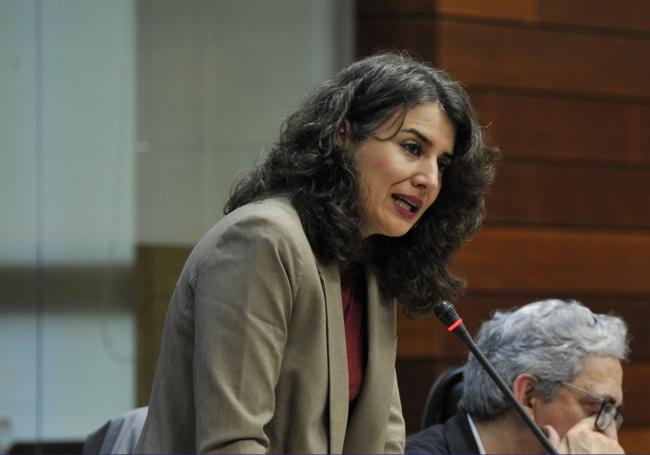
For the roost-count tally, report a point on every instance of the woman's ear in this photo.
(523, 388)
(345, 134)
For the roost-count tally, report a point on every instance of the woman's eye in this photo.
(412, 148)
(443, 163)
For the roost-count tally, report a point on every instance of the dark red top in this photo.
(353, 293)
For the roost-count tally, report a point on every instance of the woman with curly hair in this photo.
(280, 335)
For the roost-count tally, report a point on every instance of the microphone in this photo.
(448, 315)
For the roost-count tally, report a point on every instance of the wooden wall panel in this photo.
(631, 15)
(427, 338)
(628, 15)
(617, 15)
(563, 88)
(557, 261)
(634, 438)
(417, 376)
(387, 33)
(380, 33)
(503, 56)
(635, 392)
(157, 270)
(66, 288)
(565, 129)
(520, 10)
(570, 195)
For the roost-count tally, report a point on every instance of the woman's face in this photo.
(401, 168)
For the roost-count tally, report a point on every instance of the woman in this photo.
(280, 336)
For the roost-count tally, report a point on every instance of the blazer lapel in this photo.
(337, 364)
(367, 427)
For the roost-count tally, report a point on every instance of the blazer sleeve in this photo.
(396, 429)
(244, 288)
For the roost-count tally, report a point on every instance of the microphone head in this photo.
(446, 313)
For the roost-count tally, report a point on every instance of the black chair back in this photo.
(443, 398)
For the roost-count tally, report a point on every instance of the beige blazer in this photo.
(253, 356)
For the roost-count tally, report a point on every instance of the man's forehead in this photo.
(602, 376)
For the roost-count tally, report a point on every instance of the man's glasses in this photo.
(608, 411)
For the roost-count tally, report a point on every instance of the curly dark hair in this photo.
(310, 166)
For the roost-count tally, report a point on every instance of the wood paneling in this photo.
(67, 288)
(513, 57)
(635, 392)
(548, 194)
(557, 261)
(496, 55)
(562, 87)
(417, 376)
(623, 15)
(428, 338)
(379, 33)
(157, 271)
(518, 10)
(565, 129)
(635, 438)
(631, 15)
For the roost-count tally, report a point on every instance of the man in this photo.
(563, 363)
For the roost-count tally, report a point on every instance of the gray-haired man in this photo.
(563, 363)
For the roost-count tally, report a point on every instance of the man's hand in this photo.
(583, 438)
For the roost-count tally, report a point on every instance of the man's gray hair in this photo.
(547, 339)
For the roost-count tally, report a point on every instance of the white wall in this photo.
(215, 83)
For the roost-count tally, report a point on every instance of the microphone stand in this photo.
(448, 315)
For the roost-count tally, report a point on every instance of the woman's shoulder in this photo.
(274, 214)
(276, 209)
(267, 223)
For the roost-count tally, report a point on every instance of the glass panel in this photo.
(67, 200)
(191, 89)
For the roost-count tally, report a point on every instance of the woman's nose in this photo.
(427, 175)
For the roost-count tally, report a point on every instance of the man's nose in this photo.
(611, 431)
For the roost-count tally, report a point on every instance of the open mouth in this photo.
(403, 202)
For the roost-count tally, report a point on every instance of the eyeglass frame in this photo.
(605, 403)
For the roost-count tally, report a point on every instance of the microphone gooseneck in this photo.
(447, 314)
